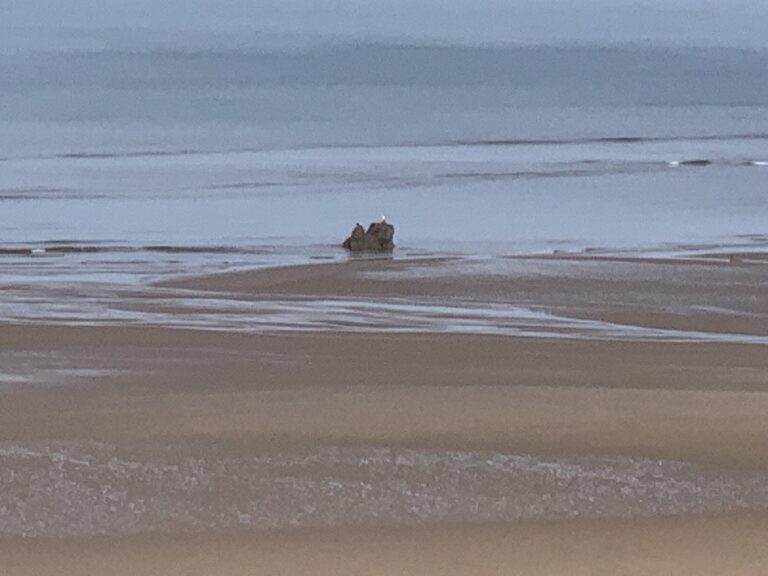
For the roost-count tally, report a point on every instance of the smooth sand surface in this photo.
(696, 402)
(726, 545)
(705, 403)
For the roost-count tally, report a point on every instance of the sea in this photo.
(124, 168)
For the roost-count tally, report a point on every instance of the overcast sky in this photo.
(119, 23)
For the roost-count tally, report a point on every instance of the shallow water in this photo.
(169, 308)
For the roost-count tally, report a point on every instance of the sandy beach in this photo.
(230, 396)
(676, 546)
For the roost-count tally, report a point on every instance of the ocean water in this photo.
(128, 167)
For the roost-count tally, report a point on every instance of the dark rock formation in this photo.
(378, 238)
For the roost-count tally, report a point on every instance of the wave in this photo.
(575, 169)
(171, 249)
(152, 153)
(244, 185)
(523, 174)
(611, 140)
(616, 140)
(133, 154)
(597, 168)
(42, 249)
(72, 247)
(41, 192)
(709, 162)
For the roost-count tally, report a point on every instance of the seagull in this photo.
(383, 218)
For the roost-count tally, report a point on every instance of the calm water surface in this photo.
(129, 167)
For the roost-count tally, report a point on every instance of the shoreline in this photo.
(642, 298)
(566, 296)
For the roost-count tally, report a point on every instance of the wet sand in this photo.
(139, 388)
(704, 402)
(708, 546)
(687, 294)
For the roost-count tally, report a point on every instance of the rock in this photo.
(378, 238)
